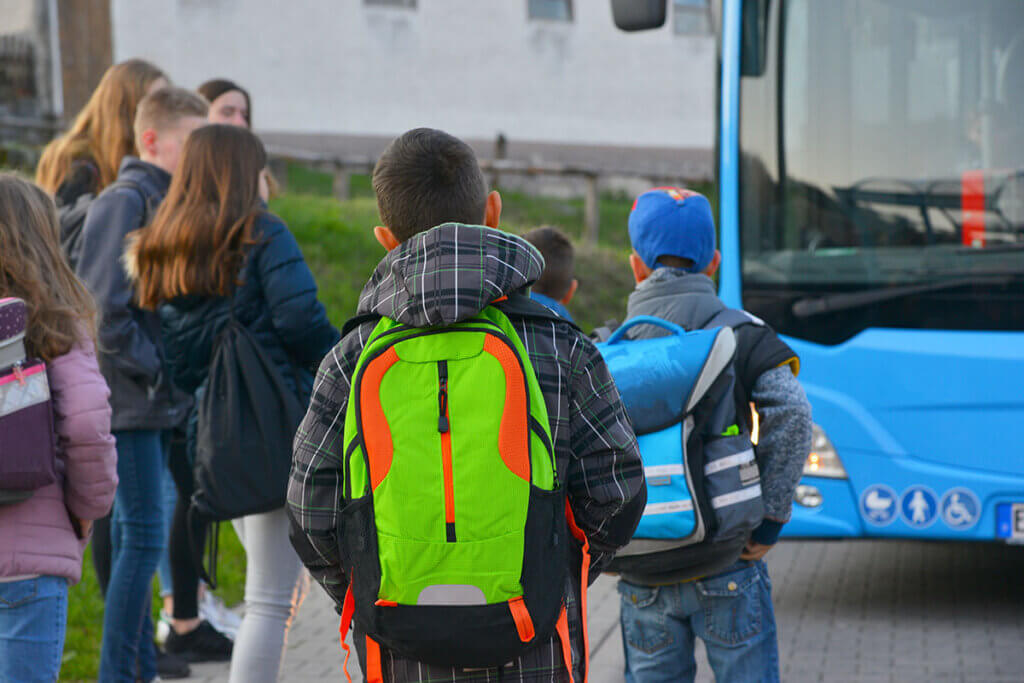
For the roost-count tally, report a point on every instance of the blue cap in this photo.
(671, 221)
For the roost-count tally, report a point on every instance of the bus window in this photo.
(896, 163)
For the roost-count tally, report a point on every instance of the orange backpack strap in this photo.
(562, 628)
(578, 534)
(347, 610)
(374, 674)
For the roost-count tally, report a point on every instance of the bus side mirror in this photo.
(639, 15)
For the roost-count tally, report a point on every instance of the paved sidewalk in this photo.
(848, 612)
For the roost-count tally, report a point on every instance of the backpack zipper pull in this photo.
(442, 396)
(19, 373)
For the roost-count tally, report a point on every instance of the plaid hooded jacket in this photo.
(439, 277)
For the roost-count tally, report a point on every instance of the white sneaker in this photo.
(220, 616)
(163, 628)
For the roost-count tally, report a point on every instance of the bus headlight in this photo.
(823, 461)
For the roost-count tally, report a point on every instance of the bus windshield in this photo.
(890, 189)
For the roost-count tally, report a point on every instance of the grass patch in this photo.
(338, 243)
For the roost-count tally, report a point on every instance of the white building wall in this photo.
(472, 67)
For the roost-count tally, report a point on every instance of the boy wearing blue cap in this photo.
(674, 258)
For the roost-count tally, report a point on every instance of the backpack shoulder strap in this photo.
(357, 320)
(520, 305)
(515, 304)
(137, 188)
(731, 317)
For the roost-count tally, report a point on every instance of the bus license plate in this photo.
(1010, 526)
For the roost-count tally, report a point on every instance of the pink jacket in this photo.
(36, 536)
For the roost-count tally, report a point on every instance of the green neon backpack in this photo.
(453, 532)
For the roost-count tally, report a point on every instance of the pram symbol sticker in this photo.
(878, 505)
(960, 508)
(919, 506)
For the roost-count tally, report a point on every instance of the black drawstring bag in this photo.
(246, 423)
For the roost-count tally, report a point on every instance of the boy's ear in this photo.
(640, 270)
(147, 143)
(716, 261)
(492, 212)
(386, 238)
(572, 292)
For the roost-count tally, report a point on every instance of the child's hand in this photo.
(754, 551)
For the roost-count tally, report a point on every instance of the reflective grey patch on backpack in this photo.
(732, 483)
(451, 594)
(749, 473)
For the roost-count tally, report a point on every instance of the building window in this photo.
(407, 4)
(691, 17)
(555, 10)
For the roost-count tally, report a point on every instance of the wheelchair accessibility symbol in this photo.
(960, 508)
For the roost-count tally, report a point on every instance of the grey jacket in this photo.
(766, 368)
(130, 354)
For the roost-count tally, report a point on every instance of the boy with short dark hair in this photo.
(447, 261)
(674, 258)
(556, 285)
(144, 401)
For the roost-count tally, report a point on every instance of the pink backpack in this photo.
(28, 449)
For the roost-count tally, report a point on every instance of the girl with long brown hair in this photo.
(42, 538)
(213, 251)
(86, 158)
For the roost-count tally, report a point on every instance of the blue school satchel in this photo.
(703, 483)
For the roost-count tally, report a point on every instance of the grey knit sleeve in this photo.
(784, 440)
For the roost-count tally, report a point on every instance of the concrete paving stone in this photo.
(857, 612)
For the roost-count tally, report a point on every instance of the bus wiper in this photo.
(816, 305)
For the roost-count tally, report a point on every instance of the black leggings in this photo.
(184, 571)
(102, 552)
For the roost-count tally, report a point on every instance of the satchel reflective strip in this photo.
(727, 499)
(735, 460)
(663, 471)
(669, 507)
(28, 388)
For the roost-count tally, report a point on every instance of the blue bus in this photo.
(871, 179)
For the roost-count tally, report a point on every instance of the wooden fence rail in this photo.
(342, 168)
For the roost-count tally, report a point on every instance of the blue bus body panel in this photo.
(927, 419)
(926, 422)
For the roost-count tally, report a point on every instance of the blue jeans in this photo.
(33, 617)
(137, 538)
(731, 612)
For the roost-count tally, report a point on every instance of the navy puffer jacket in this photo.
(277, 302)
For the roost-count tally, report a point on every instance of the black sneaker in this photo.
(170, 666)
(202, 644)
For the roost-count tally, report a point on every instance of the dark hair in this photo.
(427, 177)
(670, 261)
(197, 241)
(555, 247)
(215, 87)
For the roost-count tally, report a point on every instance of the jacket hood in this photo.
(688, 299)
(448, 274)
